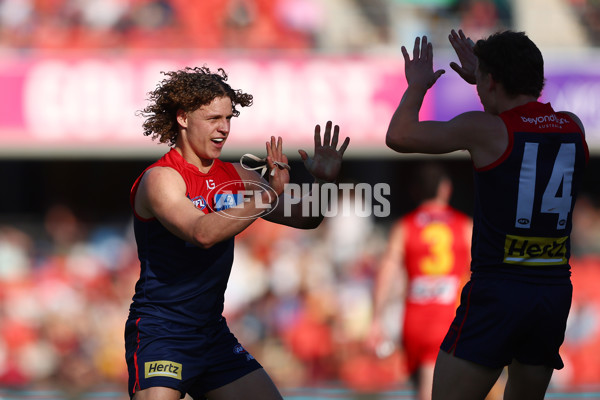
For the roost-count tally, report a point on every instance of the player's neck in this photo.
(434, 203)
(506, 103)
(203, 165)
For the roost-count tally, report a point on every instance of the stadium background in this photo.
(72, 75)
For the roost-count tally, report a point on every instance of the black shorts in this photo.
(189, 359)
(499, 320)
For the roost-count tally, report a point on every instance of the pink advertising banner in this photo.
(87, 104)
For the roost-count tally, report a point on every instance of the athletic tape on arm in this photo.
(264, 166)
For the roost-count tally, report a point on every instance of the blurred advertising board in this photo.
(79, 105)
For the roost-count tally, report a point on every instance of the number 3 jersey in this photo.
(436, 260)
(436, 254)
(524, 201)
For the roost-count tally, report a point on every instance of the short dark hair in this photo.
(426, 180)
(187, 89)
(514, 61)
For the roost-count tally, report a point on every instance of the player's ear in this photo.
(182, 118)
(491, 82)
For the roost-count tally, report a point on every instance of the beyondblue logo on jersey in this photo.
(199, 202)
(522, 250)
(545, 119)
(169, 369)
(223, 201)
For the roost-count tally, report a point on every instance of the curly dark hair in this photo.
(187, 89)
(513, 60)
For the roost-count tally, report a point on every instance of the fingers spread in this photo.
(430, 52)
(327, 135)
(416, 49)
(317, 135)
(425, 45)
(344, 145)
(405, 55)
(334, 140)
(456, 67)
(280, 154)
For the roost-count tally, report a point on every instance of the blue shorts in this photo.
(499, 320)
(189, 359)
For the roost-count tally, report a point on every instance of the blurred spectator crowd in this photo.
(299, 301)
(284, 25)
(326, 25)
(301, 308)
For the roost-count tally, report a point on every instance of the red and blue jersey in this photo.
(179, 281)
(524, 201)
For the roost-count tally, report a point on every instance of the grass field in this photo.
(328, 392)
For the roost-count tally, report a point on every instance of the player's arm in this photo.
(162, 195)
(468, 232)
(389, 276)
(324, 166)
(482, 134)
(287, 210)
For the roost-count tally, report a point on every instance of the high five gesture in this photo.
(327, 160)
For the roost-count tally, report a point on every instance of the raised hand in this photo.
(276, 161)
(463, 46)
(327, 161)
(419, 70)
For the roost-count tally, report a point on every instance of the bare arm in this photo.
(324, 167)
(482, 134)
(162, 195)
(285, 210)
(389, 269)
(389, 275)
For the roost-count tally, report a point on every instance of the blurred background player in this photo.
(428, 253)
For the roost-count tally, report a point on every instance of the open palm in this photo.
(463, 46)
(327, 160)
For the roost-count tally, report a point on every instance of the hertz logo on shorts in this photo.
(522, 250)
(169, 369)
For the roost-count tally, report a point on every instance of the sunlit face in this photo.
(204, 131)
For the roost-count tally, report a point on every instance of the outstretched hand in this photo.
(419, 70)
(463, 46)
(327, 161)
(276, 161)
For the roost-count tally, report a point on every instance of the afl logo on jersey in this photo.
(238, 349)
(199, 202)
(233, 194)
